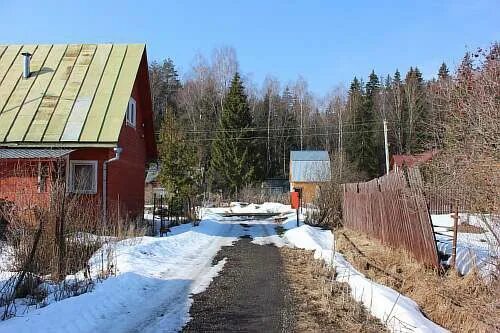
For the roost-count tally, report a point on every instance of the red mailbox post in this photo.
(295, 200)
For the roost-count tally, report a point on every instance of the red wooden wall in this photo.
(19, 178)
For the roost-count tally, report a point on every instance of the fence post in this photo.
(161, 216)
(154, 211)
(455, 232)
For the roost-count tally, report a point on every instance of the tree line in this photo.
(218, 129)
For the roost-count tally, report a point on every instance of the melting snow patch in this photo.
(397, 312)
(157, 276)
(474, 250)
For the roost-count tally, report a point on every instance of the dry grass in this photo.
(460, 304)
(322, 304)
(469, 228)
(53, 236)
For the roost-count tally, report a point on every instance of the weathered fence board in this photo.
(393, 209)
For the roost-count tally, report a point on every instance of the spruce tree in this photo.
(355, 102)
(234, 152)
(368, 135)
(361, 138)
(165, 85)
(416, 113)
(443, 73)
(397, 114)
(179, 171)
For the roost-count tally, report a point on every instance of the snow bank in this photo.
(398, 312)
(266, 207)
(151, 291)
(156, 277)
(473, 250)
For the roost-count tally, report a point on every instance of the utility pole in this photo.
(455, 217)
(301, 120)
(268, 160)
(284, 157)
(341, 155)
(386, 144)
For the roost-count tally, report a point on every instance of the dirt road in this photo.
(250, 295)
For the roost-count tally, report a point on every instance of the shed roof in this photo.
(309, 166)
(412, 160)
(152, 173)
(309, 155)
(14, 153)
(76, 93)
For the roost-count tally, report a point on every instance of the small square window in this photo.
(83, 177)
(131, 114)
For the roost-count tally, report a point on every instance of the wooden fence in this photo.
(393, 210)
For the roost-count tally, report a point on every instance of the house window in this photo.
(131, 116)
(83, 177)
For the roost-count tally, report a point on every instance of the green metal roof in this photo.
(76, 94)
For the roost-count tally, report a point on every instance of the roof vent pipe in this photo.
(26, 67)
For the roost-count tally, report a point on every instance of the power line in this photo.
(283, 136)
(257, 129)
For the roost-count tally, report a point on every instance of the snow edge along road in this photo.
(157, 277)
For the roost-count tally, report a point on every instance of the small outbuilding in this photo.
(80, 113)
(153, 186)
(309, 169)
(399, 162)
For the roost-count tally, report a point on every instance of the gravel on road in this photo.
(251, 294)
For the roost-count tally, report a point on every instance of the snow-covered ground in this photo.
(156, 277)
(479, 250)
(154, 281)
(399, 313)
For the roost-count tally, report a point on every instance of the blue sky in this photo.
(327, 42)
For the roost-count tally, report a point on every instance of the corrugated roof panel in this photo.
(6, 61)
(19, 94)
(121, 94)
(58, 121)
(82, 104)
(310, 171)
(53, 93)
(309, 155)
(103, 95)
(23, 153)
(13, 74)
(34, 98)
(79, 97)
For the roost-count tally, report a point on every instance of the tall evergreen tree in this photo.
(234, 152)
(354, 103)
(396, 117)
(361, 140)
(443, 73)
(179, 171)
(165, 85)
(351, 128)
(368, 159)
(416, 113)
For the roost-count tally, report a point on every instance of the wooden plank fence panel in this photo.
(393, 209)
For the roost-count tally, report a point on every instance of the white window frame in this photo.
(131, 114)
(72, 163)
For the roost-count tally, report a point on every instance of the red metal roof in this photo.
(412, 160)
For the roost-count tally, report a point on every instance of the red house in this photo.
(81, 113)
